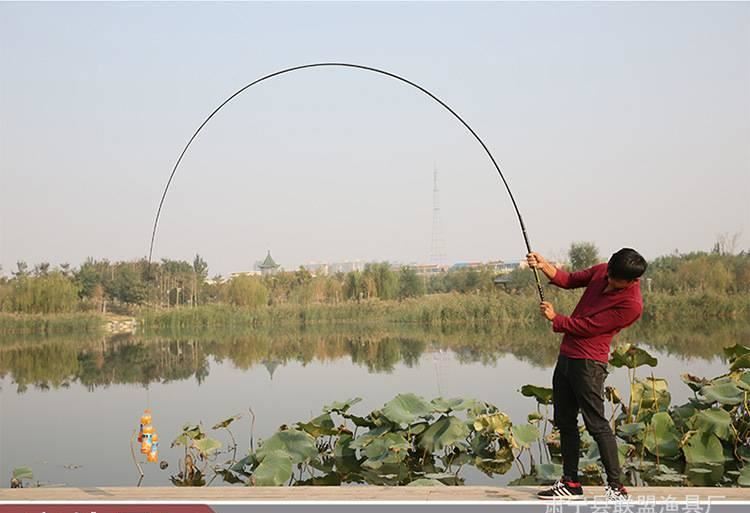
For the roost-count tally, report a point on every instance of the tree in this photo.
(50, 293)
(247, 291)
(353, 285)
(386, 281)
(88, 277)
(23, 269)
(409, 284)
(41, 269)
(128, 286)
(583, 255)
(200, 273)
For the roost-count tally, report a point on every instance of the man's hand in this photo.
(534, 259)
(537, 261)
(547, 310)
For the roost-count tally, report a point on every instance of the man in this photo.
(612, 301)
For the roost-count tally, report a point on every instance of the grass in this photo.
(46, 324)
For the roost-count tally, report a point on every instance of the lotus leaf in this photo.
(694, 382)
(541, 394)
(441, 405)
(326, 480)
(715, 420)
(743, 362)
(360, 421)
(229, 477)
(274, 470)
(662, 438)
(189, 432)
(343, 447)
(703, 447)
(525, 434)
(446, 431)
(406, 408)
(667, 479)
(21, 473)
(341, 407)
(490, 466)
(631, 356)
(534, 417)
(736, 351)
(548, 472)
(723, 393)
(744, 478)
(682, 414)
(612, 395)
(391, 448)
(482, 444)
(644, 391)
(742, 379)
(207, 445)
(388, 474)
(661, 474)
(245, 463)
(321, 425)
(705, 474)
(225, 423)
(297, 444)
(363, 440)
(497, 422)
(425, 482)
(632, 431)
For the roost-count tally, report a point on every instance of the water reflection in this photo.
(166, 357)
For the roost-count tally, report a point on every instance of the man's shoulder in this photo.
(598, 271)
(600, 268)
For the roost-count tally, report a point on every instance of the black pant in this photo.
(578, 384)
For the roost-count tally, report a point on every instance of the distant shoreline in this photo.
(435, 310)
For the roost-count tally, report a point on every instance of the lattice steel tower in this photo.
(437, 249)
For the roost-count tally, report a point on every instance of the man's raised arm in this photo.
(560, 277)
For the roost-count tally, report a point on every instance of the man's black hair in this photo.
(626, 264)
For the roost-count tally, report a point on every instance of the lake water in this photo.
(69, 406)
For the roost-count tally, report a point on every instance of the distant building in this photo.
(268, 266)
(346, 267)
(509, 267)
(244, 273)
(466, 265)
(316, 269)
(427, 269)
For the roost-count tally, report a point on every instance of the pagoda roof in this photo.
(268, 263)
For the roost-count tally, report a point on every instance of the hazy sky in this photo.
(622, 124)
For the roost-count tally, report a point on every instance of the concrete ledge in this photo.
(352, 493)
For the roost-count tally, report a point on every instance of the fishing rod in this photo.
(365, 68)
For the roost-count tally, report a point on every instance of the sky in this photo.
(623, 124)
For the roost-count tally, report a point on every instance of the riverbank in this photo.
(51, 324)
(470, 310)
(477, 311)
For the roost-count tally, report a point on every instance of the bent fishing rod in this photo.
(365, 68)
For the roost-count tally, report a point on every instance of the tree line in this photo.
(101, 285)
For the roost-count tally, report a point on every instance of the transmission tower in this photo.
(437, 249)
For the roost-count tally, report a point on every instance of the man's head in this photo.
(625, 267)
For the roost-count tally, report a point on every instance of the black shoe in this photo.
(563, 489)
(616, 493)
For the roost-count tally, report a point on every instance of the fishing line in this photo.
(365, 68)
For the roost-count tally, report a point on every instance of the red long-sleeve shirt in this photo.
(599, 315)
